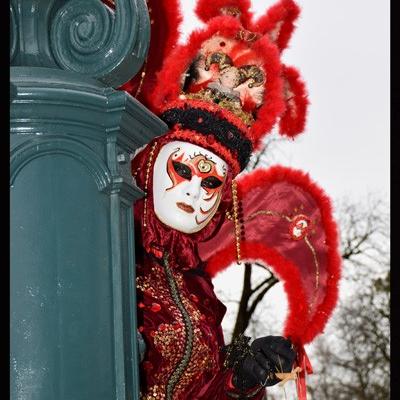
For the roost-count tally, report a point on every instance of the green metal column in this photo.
(73, 310)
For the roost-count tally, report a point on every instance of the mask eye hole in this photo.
(211, 182)
(182, 170)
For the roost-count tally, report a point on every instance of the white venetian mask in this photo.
(187, 185)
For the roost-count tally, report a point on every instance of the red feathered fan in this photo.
(286, 223)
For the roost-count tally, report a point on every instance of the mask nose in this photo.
(192, 190)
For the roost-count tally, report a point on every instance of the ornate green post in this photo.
(73, 310)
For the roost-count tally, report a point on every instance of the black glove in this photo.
(270, 354)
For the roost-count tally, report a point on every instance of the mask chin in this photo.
(180, 222)
(187, 186)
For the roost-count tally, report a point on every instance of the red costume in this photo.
(223, 91)
(178, 312)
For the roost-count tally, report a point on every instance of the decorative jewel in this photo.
(247, 36)
(204, 166)
(155, 307)
(299, 227)
(194, 298)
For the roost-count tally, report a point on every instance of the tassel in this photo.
(303, 362)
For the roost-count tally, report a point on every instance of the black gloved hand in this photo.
(271, 354)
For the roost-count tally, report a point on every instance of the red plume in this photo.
(278, 22)
(293, 120)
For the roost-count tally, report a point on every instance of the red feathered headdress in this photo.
(226, 87)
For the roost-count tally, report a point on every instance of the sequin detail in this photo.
(180, 342)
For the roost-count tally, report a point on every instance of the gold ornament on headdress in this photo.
(220, 58)
(232, 105)
(253, 73)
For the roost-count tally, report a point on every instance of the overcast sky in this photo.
(342, 50)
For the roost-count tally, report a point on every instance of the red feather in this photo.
(273, 103)
(278, 22)
(293, 120)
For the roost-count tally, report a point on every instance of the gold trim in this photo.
(149, 163)
(223, 102)
(316, 271)
(306, 240)
(236, 221)
(269, 213)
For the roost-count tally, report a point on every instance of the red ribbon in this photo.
(303, 362)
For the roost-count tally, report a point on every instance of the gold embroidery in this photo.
(306, 240)
(169, 338)
(316, 264)
(232, 105)
(269, 213)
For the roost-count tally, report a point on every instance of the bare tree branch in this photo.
(261, 295)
